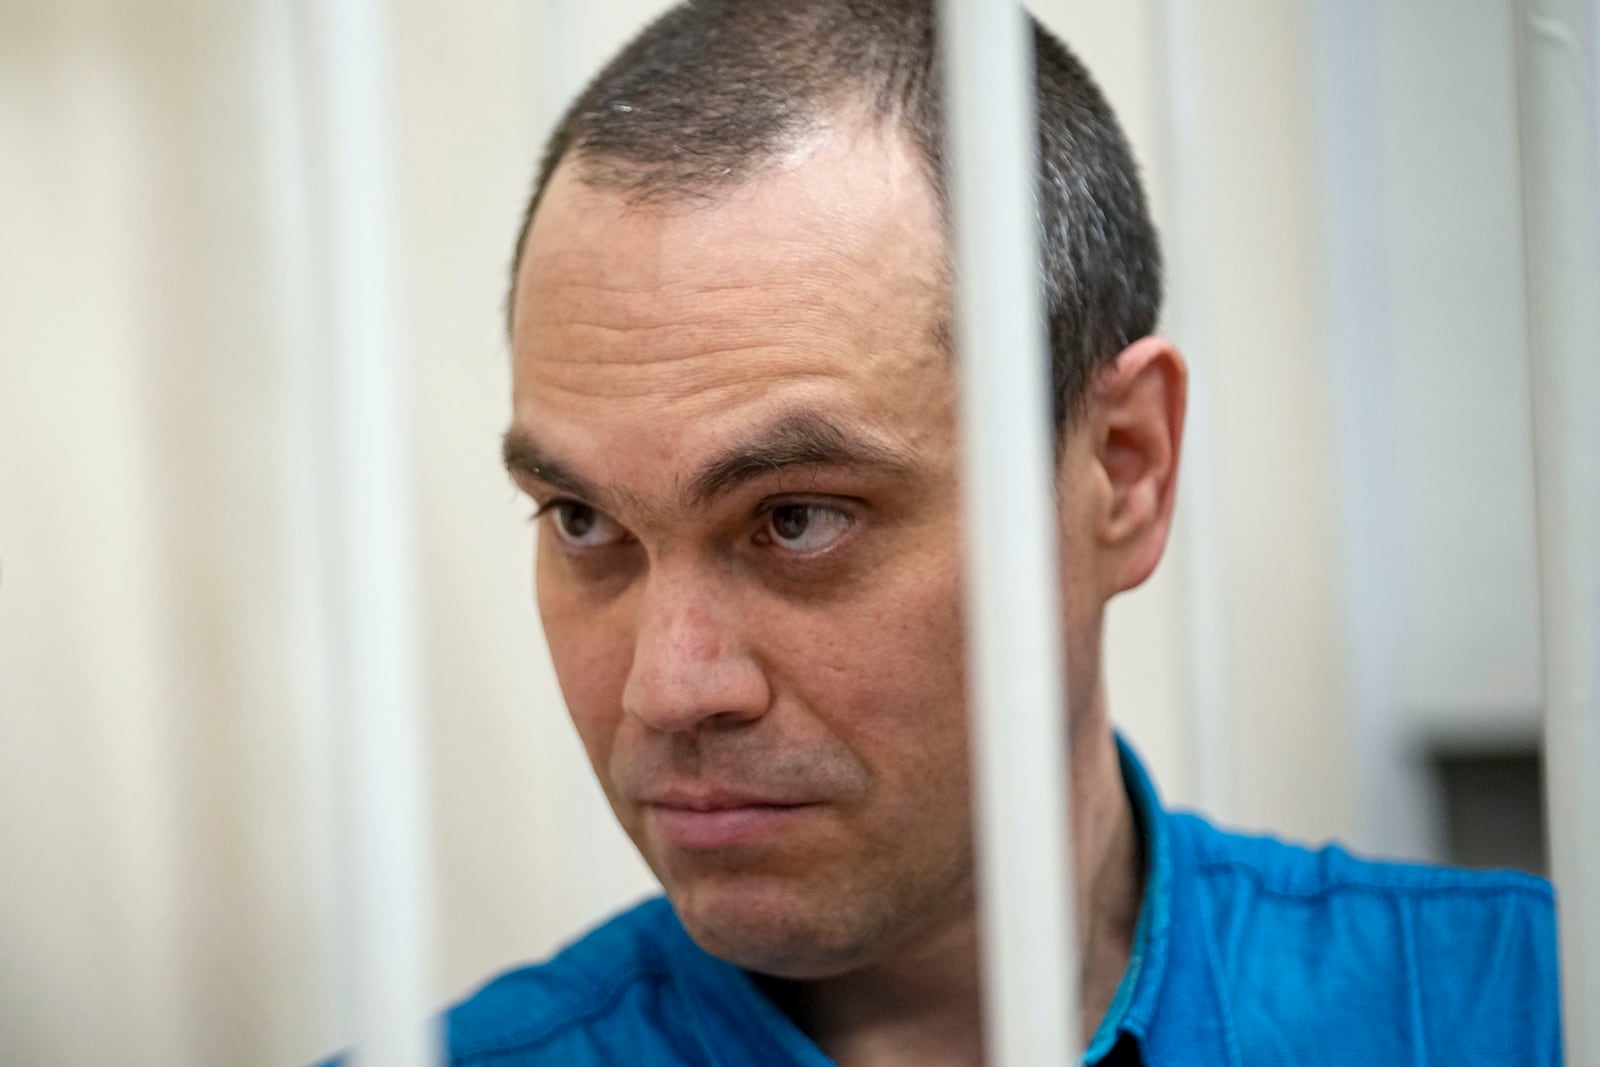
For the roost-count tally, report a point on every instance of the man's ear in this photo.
(1135, 419)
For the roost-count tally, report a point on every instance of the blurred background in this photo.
(1341, 644)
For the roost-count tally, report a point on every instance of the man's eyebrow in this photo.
(804, 439)
(523, 455)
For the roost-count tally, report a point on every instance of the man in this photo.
(734, 409)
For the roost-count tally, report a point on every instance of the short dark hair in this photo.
(715, 90)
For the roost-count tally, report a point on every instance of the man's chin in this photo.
(774, 934)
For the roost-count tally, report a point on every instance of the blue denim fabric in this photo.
(1249, 953)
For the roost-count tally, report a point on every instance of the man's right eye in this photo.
(581, 526)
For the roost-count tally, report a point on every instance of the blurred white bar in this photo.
(1561, 210)
(303, 502)
(386, 817)
(1031, 974)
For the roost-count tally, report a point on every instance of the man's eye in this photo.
(805, 528)
(582, 526)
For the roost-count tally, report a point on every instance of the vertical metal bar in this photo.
(1561, 214)
(1019, 737)
(303, 501)
(386, 815)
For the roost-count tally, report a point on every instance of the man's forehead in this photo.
(850, 201)
(650, 336)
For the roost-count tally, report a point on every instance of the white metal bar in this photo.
(303, 502)
(386, 815)
(1019, 737)
(1561, 212)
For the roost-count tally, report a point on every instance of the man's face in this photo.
(738, 423)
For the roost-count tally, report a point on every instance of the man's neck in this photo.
(925, 1007)
(1109, 882)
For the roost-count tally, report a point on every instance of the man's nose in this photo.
(692, 664)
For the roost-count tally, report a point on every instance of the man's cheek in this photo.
(591, 681)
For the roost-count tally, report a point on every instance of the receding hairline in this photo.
(636, 189)
(640, 185)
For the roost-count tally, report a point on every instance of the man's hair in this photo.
(714, 91)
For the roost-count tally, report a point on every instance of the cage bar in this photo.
(1019, 737)
(1560, 121)
(303, 502)
(384, 818)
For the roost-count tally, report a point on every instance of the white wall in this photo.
(145, 852)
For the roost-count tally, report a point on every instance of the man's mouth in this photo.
(702, 820)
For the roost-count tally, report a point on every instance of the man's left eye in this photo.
(806, 528)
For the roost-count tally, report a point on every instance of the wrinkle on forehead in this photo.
(816, 307)
(697, 382)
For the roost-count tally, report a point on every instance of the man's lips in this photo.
(700, 820)
(716, 799)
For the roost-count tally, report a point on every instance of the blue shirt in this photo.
(1248, 953)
